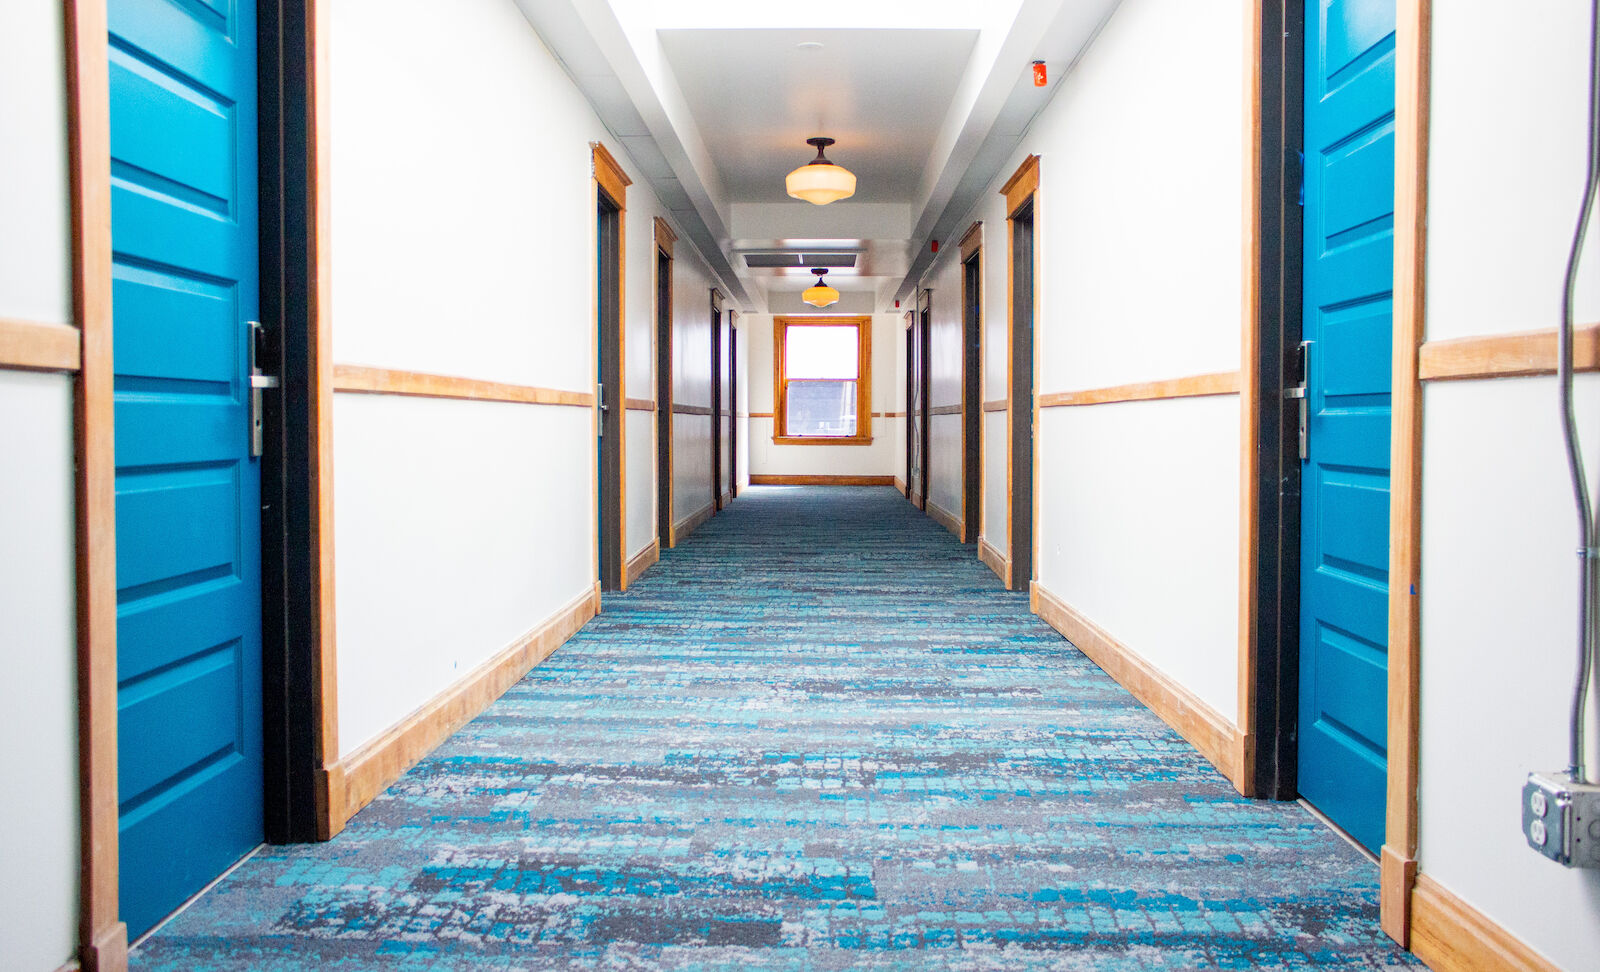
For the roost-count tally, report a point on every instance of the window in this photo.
(822, 371)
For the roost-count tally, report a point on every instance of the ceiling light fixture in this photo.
(820, 295)
(820, 181)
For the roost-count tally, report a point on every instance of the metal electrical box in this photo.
(1561, 819)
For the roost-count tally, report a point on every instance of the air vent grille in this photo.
(761, 261)
(768, 261)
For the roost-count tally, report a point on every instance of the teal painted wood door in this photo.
(1349, 259)
(183, 226)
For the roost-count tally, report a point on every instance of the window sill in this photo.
(823, 440)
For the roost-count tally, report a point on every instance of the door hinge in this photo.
(600, 400)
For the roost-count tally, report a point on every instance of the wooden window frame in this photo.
(780, 381)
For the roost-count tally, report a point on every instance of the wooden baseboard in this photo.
(997, 561)
(1452, 936)
(1205, 728)
(764, 479)
(900, 484)
(644, 560)
(724, 500)
(691, 523)
(1397, 876)
(944, 518)
(371, 769)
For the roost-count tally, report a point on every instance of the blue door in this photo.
(183, 227)
(1349, 278)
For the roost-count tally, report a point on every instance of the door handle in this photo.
(258, 384)
(1299, 394)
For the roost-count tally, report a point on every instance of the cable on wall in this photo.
(1589, 541)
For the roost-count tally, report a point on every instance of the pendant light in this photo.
(820, 181)
(820, 295)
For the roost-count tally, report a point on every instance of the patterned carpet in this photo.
(818, 735)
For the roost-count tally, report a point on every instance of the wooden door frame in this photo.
(971, 389)
(1021, 192)
(610, 184)
(716, 401)
(666, 531)
(1269, 503)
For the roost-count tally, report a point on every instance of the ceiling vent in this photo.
(763, 261)
(769, 261)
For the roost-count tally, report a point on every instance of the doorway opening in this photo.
(971, 382)
(917, 404)
(608, 303)
(1319, 667)
(664, 240)
(719, 372)
(1020, 412)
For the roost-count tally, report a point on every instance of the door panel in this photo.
(1349, 248)
(184, 286)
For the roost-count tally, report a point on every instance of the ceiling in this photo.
(713, 101)
(756, 95)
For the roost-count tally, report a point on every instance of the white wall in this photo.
(38, 628)
(462, 525)
(1157, 521)
(878, 459)
(1498, 525)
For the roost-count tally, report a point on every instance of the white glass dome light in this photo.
(820, 294)
(820, 181)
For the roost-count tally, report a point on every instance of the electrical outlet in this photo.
(1561, 819)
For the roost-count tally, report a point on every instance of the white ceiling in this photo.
(757, 96)
(713, 101)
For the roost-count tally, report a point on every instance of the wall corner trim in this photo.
(1452, 936)
(369, 770)
(1205, 728)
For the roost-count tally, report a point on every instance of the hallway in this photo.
(816, 735)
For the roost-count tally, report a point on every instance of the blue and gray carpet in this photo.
(818, 735)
